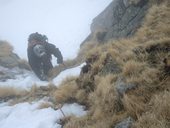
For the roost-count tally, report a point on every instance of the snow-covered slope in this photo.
(28, 115)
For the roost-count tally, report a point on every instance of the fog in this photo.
(65, 22)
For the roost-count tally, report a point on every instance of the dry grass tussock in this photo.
(142, 64)
(5, 48)
(133, 68)
(45, 105)
(156, 25)
(66, 92)
(103, 100)
(158, 114)
(11, 92)
(34, 94)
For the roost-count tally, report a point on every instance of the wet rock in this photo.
(126, 123)
(122, 87)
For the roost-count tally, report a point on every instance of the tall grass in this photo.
(141, 59)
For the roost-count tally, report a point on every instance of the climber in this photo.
(40, 53)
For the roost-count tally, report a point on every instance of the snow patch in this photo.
(26, 79)
(26, 115)
(67, 73)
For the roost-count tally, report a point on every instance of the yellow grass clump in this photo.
(10, 91)
(45, 105)
(66, 92)
(103, 100)
(5, 48)
(144, 63)
(158, 114)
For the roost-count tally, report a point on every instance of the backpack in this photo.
(36, 41)
(38, 37)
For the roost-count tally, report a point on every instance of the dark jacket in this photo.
(42, 65)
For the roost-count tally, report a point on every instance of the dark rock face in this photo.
(120, 19)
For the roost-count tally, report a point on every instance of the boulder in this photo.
(122, 87)
(9, 61)
(126, 123)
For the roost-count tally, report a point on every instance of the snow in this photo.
(67, 73)
(23, 79)
(26, 79)
(27, 115)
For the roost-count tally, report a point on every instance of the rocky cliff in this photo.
(120, 19)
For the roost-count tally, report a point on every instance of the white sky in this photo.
(65, 22)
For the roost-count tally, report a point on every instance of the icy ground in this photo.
(28, 115)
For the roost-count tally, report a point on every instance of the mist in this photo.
(65, 22)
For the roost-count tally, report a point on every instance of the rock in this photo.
(9, 61)
(12, 61)
(126, 3)
(110, 66)
(120, 19)
(10, 73)
(7, 57)
(126, 123)
(6, 74)
(122, 87)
